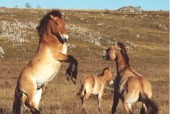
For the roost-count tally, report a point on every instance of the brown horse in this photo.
(129, 85)
(44, 66)
(95, 85)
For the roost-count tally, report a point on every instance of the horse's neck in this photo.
(104, 78)
(49, 36)
(120, 63)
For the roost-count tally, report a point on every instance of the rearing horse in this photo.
(129, 86)
(44, 66)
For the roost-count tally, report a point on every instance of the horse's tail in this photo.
(17, 102)
(81, 91)
(152, 107)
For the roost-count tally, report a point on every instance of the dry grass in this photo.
(148, 55)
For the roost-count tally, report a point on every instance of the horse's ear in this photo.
(109, 68)
(117, 47)
(112, 47)
(52, 17)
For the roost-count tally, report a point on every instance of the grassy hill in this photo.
(145, 35)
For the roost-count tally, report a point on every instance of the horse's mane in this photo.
(45, 19)
(124, 52)
(107, 68)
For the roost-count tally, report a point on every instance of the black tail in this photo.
(17, 102)
(152, 107)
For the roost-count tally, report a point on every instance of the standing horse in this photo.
(95, 85)
(44, 66)
(129, 85)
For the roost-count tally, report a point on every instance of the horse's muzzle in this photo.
(111, 82)
(64, 37)
(104, 55)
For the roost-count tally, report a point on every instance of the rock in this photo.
(1, 52)
(130, 9)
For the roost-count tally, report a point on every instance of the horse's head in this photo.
(53, 23)
(110, 53)
(59, 22)
(108, 73)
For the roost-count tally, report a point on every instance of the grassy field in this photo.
(145, 35)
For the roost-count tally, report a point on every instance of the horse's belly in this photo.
(95, 92)
(47, 72)
(97, 89)
(44, 66)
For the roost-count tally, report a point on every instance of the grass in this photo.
(149, 57)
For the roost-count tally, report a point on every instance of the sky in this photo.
(88, 4)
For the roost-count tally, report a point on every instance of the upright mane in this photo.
(124, 52)
(45, 19)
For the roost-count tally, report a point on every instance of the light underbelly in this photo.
(96, 90)
(46, 72)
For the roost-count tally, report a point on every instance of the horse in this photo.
(95, 85)
(129, 86)
(45, 64)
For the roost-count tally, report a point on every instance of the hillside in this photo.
(146, 36)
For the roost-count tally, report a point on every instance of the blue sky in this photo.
(88, 4)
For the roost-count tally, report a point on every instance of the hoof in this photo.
(83, 111)
(67, 76)
(35, 111)
(73, 80)
(99, 109)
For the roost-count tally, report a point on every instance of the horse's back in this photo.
(145, 84)
(96, 83)
(88, 83)
(88, 80)
(99, 85)
(137, 84)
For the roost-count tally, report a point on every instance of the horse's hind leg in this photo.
(128, 108)
(85, 97)
(33, 100)
(143, 109)
(19, 100)
(37, 98)
(32, 105)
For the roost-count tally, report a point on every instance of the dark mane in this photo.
(107, 68)
(124, 52)
(45, 19)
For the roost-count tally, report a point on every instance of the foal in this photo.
(95, 85)
(129, 86)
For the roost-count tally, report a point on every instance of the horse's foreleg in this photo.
(115, 101)
(69, 71)
(72, 69)
(99, 99)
